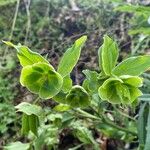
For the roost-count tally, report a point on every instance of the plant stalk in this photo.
(106, 121)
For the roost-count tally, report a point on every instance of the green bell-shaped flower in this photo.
(121, 90)
(78, 97)
(42, 79)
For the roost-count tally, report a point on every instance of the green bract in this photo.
(121, 90)
(78, 97)
(42, 79)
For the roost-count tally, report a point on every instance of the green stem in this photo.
(123, 113)
(36, 100)
(86, 114)
(14, 20)
(13, 25)
(104, 120)
(110, 123)
(27, 5)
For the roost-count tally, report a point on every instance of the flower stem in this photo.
(105, 120)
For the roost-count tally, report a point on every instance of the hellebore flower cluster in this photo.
(121, 90)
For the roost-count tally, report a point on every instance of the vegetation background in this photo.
(49, 27)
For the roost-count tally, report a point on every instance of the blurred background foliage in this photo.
(50, 26)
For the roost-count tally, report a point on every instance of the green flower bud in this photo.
(78, 97)
(121, 90)
(42, 79)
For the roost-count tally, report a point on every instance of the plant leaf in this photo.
(141, 123)
(29, 109)
(133, 9)
(60, 97)
(108, 55)
(84, 135)
(67, 84)
(133, 66)
(62, 107)
(25, 124)
(147, 145)
(91, 81)
(17, 145)
(145, 97)
(33, 123)
(71, 57)
(26, 56)
(48, 135)
(140, 30)
(42, 79)
(7, 2)
(132, 80)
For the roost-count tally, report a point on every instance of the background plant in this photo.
(32, 25)
(115, 84)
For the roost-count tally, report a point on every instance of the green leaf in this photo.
(132, 80)
(33, 124)
(42, 79)
(71, 57)
(76, 147)
(62, 107)
(29, 109)
(108, 55)
(145, 98)
(133, 66)
(91, 82)
(29, 123)
(26, 56)
(7, 2)
(67, 84)
(53, 117)
(141, 124)
(39, 142)
(60, 97)
(48, 136)
(147, 142)
(84, 135)
(67, 119)
(133, 9)
(56, 119)
(17, 145)
(140, 30)
(78, 97)
(134, 93)
(25, 124)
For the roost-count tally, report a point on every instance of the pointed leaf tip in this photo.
(8, 43)
(71, 57)
(108, 51)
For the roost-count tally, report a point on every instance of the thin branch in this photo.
(13, 26)
(27, 5)
(104, 120)
(14, 20)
